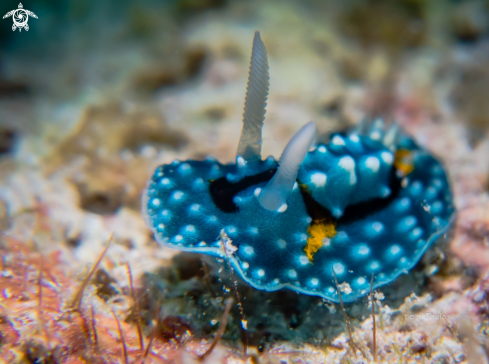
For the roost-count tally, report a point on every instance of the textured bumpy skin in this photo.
(387, 220)
(346, 171)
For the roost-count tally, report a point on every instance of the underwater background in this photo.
(96, 95)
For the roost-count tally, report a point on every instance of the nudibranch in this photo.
(368, 203)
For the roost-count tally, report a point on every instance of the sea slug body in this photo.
(363, 204)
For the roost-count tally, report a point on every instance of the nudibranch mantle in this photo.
(361, 205)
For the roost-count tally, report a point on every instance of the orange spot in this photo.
(319, 234)
(403, 161)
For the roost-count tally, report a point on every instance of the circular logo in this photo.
(20, 18)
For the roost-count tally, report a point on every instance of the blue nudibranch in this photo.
(367, 203)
